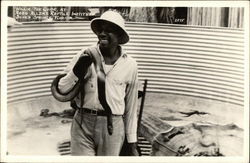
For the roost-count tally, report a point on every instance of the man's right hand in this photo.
(81, 66)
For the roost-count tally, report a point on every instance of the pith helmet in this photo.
(114, 18)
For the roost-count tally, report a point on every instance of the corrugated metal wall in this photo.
(193, 61)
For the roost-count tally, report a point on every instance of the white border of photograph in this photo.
(6, 158)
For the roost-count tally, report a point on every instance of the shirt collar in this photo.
(123, 53)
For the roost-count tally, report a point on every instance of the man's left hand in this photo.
(132, 148)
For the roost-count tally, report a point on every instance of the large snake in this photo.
(64, 97)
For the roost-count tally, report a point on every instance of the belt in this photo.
(95, 112)
(92, 112)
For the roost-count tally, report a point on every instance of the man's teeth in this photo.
(104, 41)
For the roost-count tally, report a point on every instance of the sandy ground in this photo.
(28, 133)
(168, 108)
(39, 136)
(31, 134)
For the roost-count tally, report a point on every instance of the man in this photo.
(107, 97)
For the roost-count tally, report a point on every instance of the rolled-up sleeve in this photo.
(131, 101)
(68, 82)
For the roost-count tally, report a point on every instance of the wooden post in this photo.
(68, 13)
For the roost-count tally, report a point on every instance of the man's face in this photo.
(108, 36)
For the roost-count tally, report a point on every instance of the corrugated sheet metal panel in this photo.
(193, 61)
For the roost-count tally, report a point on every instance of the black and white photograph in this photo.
(142, 81)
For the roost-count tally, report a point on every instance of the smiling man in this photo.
(104, 82)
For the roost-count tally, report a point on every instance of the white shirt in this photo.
(121, 89)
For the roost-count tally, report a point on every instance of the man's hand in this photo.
(81, 66)
(132, 149)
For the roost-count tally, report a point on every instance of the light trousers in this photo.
(90, 137)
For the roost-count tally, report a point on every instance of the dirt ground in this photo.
(32, 134)
(28, 133)
(38, 136)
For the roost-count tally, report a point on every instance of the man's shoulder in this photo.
(131, 60)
